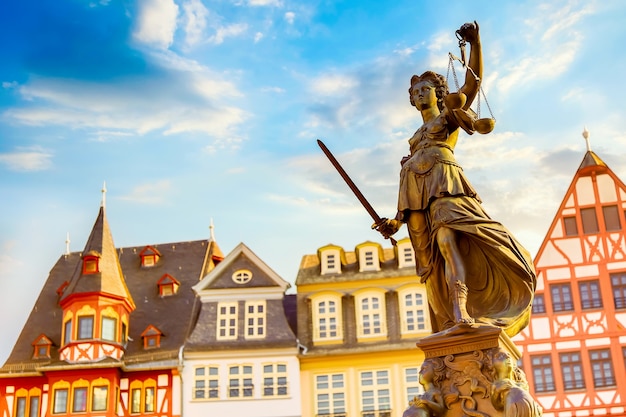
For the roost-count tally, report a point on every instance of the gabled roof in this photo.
(241, 258)
(109, 280)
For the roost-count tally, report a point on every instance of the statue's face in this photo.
(427, 372)
(424, 95)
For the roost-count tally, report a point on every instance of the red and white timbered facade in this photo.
(574, 350)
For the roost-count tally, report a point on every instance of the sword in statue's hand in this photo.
(359, 195)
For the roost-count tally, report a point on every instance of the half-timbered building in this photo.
(574, 349)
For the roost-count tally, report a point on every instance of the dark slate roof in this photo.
(271, 287)
(109, 280)
(172, 315)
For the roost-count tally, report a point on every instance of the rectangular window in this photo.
(274, 380)
(60, 401)
(611, 218)
(330, 396)
(602, 368)
(414, 312)
(255, 319)
(572, 370)
(590, 296)
(109, 327)
(20, 407)
(408, 255)
(206, 382)
(371, 314)
(135, 400)
(327, 314)
(67, 336)
(79, 400)
(618, 284)
(561, 297)
(569, 223)
(369, 258)
(227, 321)
(33, 410)
(411, 382)
(85, 327)
(331, 264)
(375, 393)
(240, 381)
(589, 219)
(99, 398)
(542, 373)
(149, 400)
(539, 304)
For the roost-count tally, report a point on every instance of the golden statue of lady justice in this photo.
(474, 270)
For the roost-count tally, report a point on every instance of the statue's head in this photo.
(438, 81)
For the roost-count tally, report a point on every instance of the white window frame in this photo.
(241, 381)
(330, 394)
(375, 391)
(412, 386)
(209, 378)
(275, 382)
(370, 313)
(255, 320)
(330, 262)
(406, 255)
(369, 259)
(413, 315)
(328, 324)
(227, 320)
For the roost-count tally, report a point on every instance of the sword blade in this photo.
(359, 195)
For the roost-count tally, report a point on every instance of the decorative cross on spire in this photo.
(586, 136)
(212, 232)
(104, 194)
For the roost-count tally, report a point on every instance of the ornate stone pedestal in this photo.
(471, 371)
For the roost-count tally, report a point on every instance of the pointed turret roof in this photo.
(109, 279)
(590, 159)
(213, 255)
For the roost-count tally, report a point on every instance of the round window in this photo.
(242, 276)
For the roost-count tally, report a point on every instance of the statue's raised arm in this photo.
(469, 33)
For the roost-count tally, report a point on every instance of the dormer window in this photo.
(149, 256)
(168, 285)
(41, 347)
(406, 256)
(330, 260)
(369, 257)
(91, 263)
(151, 337)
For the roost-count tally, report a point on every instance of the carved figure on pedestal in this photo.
(431, 402)
(509, 391)
(474, 269)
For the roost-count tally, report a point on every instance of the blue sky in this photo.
(193, 110)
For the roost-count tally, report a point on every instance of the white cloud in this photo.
(156, 23)
(290, 17)
(191, 98)
(332, 84)
(153, 193)
(229, 31)
(27, 159)
(257, 37)
(195, 21)
(276, 3)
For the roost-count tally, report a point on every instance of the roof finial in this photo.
(212, 233)
(104, 195)
(67, 244)
(586, 136)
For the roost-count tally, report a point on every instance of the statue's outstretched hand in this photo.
(387, 227)
(469, 32)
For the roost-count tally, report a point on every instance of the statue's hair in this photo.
(439, 369)
(437, 80)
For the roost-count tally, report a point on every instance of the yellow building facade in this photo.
(360, 314)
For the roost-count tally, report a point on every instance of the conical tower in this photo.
(96, 302)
